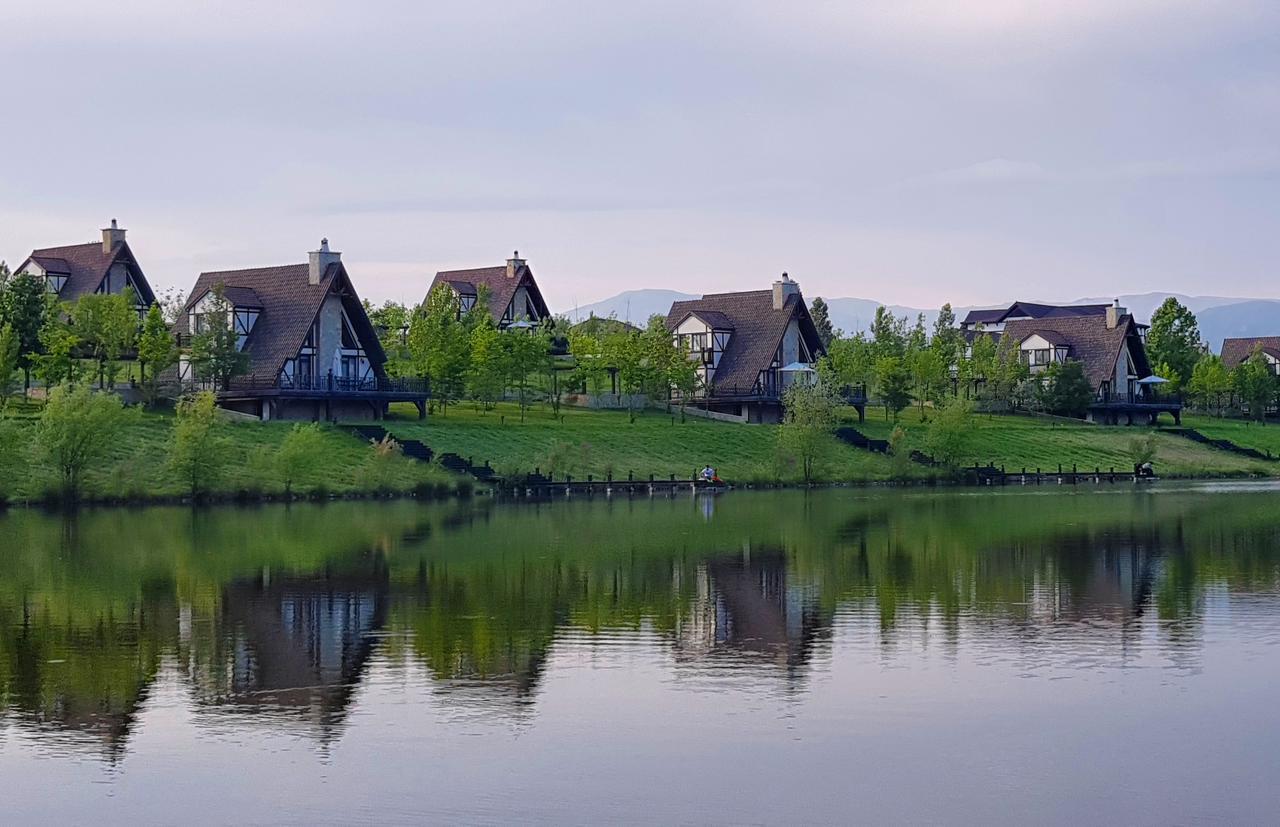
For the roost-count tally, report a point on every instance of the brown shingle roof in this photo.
(1237, 351)
(501, 287)
(757, 331)
(289, 306)
(86, 265)
(1090, 342)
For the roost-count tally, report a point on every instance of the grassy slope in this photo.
(651, 445)
(1242, 432)
(1018, 442)
(136, 463)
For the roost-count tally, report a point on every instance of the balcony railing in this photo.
(1147, 397)
(328, 383)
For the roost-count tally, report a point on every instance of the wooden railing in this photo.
(328, 383)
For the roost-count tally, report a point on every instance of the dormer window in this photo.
(54, 282)
(244, 320)
(466, 302)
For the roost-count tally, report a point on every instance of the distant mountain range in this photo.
(1220, 317)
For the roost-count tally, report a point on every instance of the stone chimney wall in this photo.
(514, 264)
(319, 261)
(1114, 313)
(783, 288)
(112, 237)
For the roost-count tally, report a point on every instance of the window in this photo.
(465, 303)
(55, 283)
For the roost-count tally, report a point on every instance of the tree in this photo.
(980, 366)
(173, 302)
(1008, 373)
(947, 340)
(391, 321)
(1210, 382)
(587, 348)
(487, 375)
(1174, 338)
(893, 384)
(8, 362)
(439, 345)
(809, 414)
(300, 455)
(928, 375)
(76, 428)
(1065, 390)
(525, 354)
(624, 352)
(849, 362)
(198, 451)
(821, 315)
(156, 350)
(1256, 385)
(215, 351)
(948, 429)
(1142, 449)
(107, 326)
(888, 334)
(57, 363)
(25, 305)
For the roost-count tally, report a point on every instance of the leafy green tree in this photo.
(1065, 390)
(947, 339)
(821, 315)
(888, 334)
(215, 353)
(300, 457)
(439, 346)
(157, 351)
(948, 429)
(1256, 385)
(25, 304)
(1174, 338)
(76, 428)
(980, 366)
(526, 353)
(391, 321)
(1210, 383)
(1143, 449)
(107, 326)
(809, 414)
(928, 376)
(624, 351)
(487, 376)
(893, 384)
(1008, 373)
(57, 364)
(8, 362)
(849, 361)
(587, 348)
(899, 453)
(199, 451)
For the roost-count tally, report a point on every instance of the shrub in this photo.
(199, 451)
(300, 455)
(75, 430)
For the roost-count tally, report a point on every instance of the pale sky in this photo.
(910, 152)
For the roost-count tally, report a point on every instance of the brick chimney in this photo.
(1114, 312)
(514, 264)
(320, 261)
(112, 238)
(782, 288)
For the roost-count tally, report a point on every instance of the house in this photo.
(1110, 348)
(312, 352)
(514, 296)
(993, 321)
(1236, 352)
(108, 266)
(749, 347)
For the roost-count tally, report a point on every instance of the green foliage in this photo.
(849, 362)
(199, 450)
(439, 346)
(625, 353)
(1143, 449)
(300, 457)
(809, 416)
(1210, 383)
(1064, 390)
(899, 453)
(57, 364)
(9, 354)
(947, 339)
(893, 384)
(888, 334)
(25, 304)
(928, 375)
(75, 430)
(488, 371)
(1174, 339)
(951, 422)
(107, 326)
(526, 353)
(157, 350)
(391, 321)
(215, 356)
(586, 345)
(1255, 384)
(378, 469)
(821, 315)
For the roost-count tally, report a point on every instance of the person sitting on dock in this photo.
(708, 474)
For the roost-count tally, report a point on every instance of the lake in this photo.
(1029, 655)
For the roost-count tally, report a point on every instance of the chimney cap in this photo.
(113, 224)
(324, 244)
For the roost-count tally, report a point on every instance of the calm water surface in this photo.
(1046, 656)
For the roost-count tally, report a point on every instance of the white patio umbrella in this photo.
(798, 367)
(1153, 380)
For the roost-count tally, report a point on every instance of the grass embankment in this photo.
(136, 465)
(1243, 432)
(602, 442)
(1030, 442)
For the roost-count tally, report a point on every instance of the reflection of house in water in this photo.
(1108, 576)
(295, 645)
(746, 610)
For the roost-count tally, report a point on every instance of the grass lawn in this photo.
(1243, 432)
(136, 464)
(599, 442)
(1018, 442)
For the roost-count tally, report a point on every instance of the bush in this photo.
(199, 452)
(300, 455)
(76, 428)
(946, 436)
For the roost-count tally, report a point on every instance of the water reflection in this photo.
(272, 617)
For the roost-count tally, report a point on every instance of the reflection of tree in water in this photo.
(294, 644)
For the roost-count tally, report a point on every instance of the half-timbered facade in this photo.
(748, 347)
(1237, 351)
(312, 352)
(514, 296)
(108, 266)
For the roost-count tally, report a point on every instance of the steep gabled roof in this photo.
(1031, 310)
(86, 265)
(1053, 337)
(1091, 342)
(289, 304)
(1236, 351)
(757, 330)
(502, 288)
